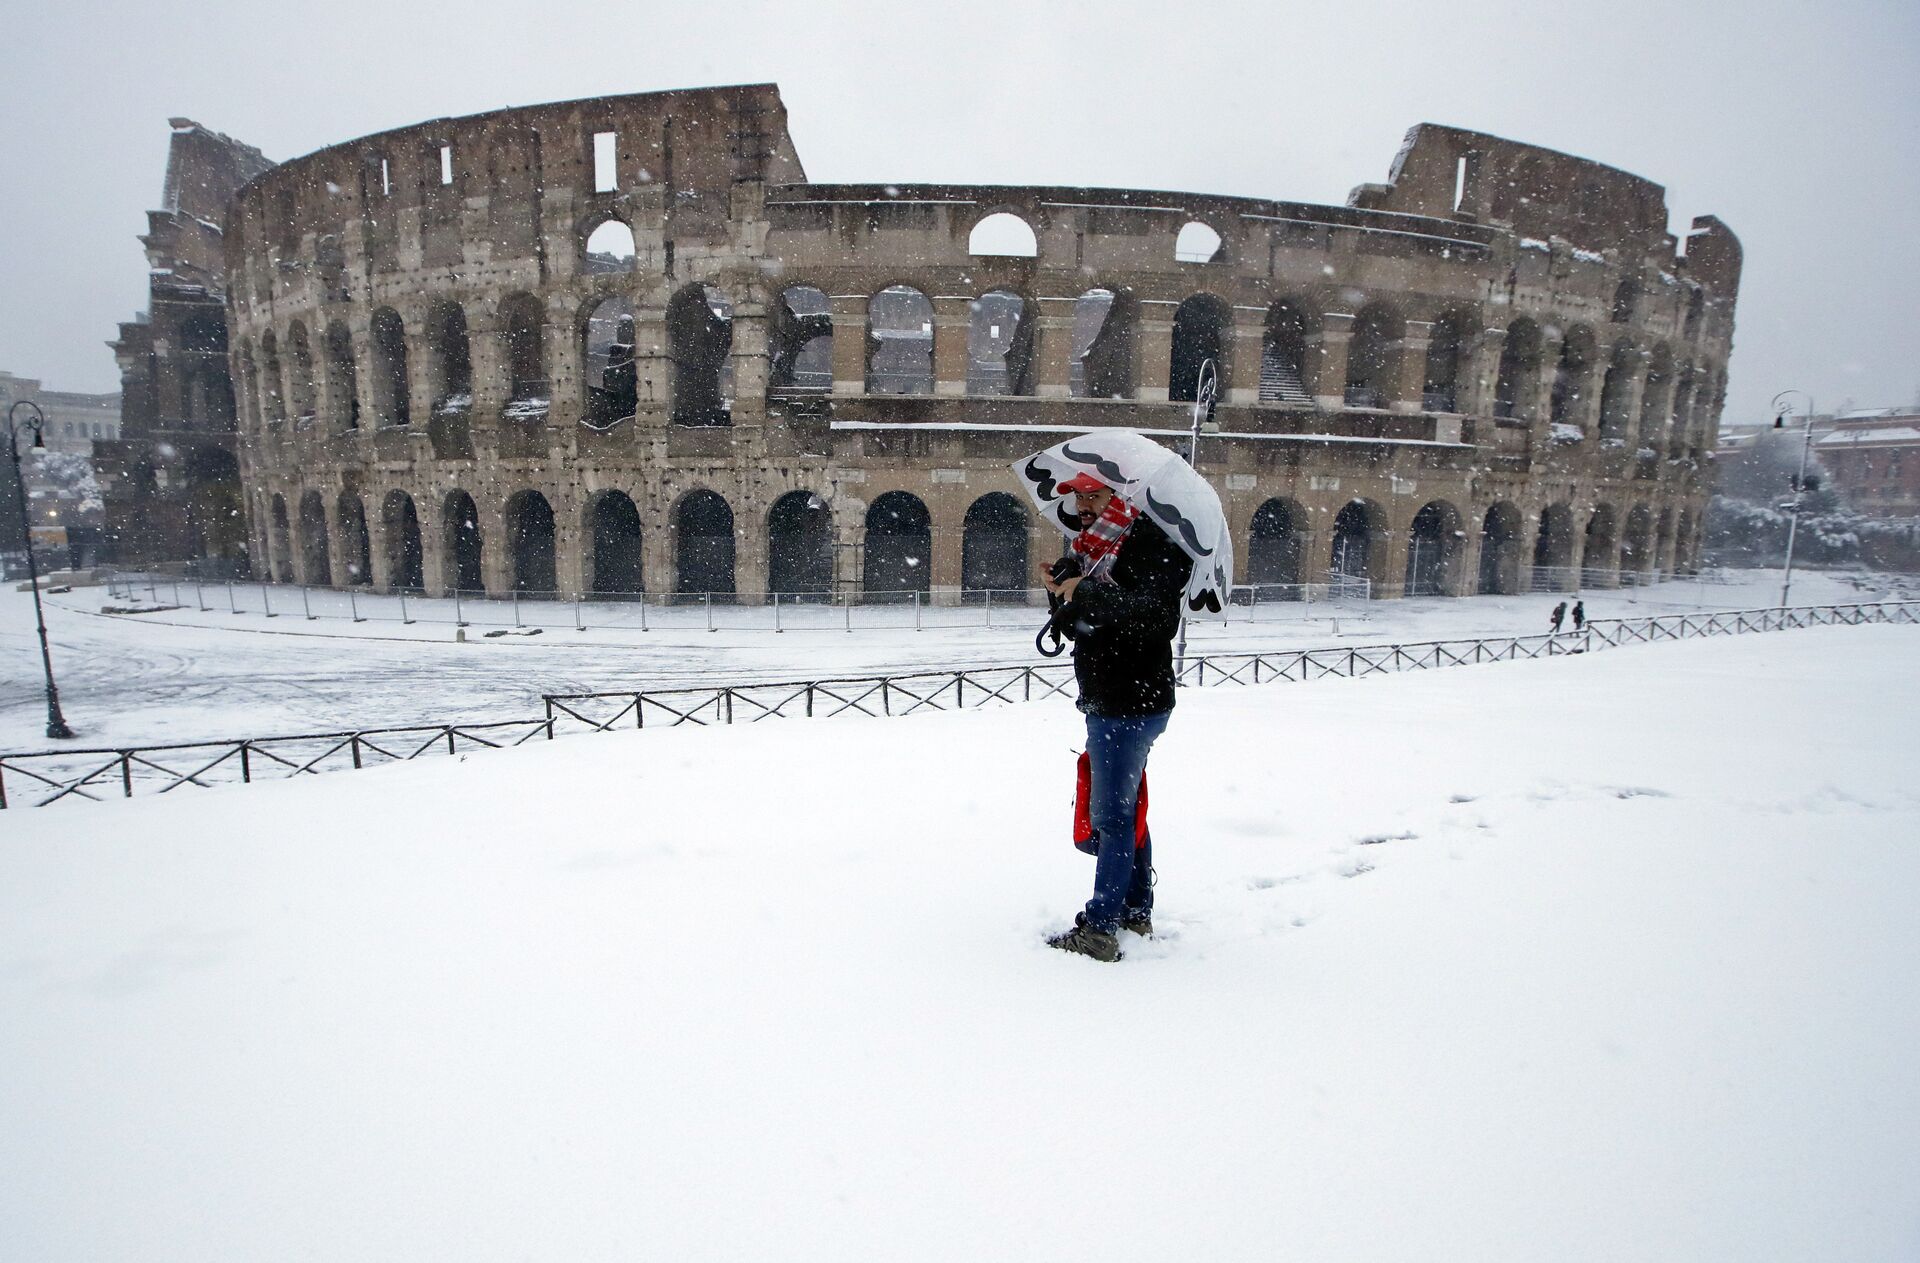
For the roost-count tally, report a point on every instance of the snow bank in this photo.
(1525, 963)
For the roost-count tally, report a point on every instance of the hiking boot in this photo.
(1140, 923)
(1088, 941)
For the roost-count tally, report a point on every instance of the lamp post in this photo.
(1206, 395)
(1799, 482)
(56, 724)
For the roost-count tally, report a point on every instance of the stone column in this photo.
(419, 380)
(1410, 392)
(1155, 352)
(380, 569)
(1389, 564)
(849, 314)
(496, 550)
(1247, 339)
(434, 557)
(849, 532)
(1327, 352)
(1053, 367)
(338, 575)
(569, 547)
(952, 326)
(1480, 372)
(948, 507)
(751, 367)
(1540, 407)
(750, 545)
(486, 347)
(656, 551)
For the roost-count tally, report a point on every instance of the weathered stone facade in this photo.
(623, 342)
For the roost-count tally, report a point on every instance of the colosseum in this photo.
(623, 345)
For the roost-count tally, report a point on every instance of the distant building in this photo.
(172, 479)
(1872, 459)
(61, 487)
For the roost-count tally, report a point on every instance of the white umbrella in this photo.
(1151, 479)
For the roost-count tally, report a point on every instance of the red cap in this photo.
(1084, 482)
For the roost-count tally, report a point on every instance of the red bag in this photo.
(1083, 839)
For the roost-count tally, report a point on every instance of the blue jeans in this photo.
(1123, 874)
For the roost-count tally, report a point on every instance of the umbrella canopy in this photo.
(1154, 481)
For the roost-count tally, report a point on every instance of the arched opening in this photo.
(343, 377)
(1283, 357)
(356, 556)
(607, 363)
(1597, 561)
(450, 378)
(993, 548)
(387, 338)
(1351, 558)
(1199, 334)
(899, 545)
(1570, 378)
(609, 248)
(1103, 325)
(1616, 395)
(801, 341)
(1373, 358)
(216, 525)
(1274, 547)
(1198, 243)
(1440, 391)
(314, 565)
(530, 537)
(800, 546)
(899, 342)
(460, 527)
(1518, 382)
(616, 556)
(1500, 550)
(1636, 544)
(700, 341)
(1626, 301)
(406, 559)
(300, 379)
(1553, 551)
(273, 401)
(999, 345)
(703, 545)
(1433, 548)
(1653, 400)
(280, 542)
(1003, 234)
(526, 349)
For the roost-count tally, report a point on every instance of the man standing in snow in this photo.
(1558, 615)
(1121, 610)
(1579, 615)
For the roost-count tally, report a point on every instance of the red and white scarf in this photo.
(1099, 544)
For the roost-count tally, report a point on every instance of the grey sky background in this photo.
(1799, 125)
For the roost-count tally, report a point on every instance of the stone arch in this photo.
(387, 339)
(607, 370)
(1653, 399)
(993, 547)
(406, 558)
(1276, 543)
(614, 562)
(899, 342)
(279, 540)
(1636, 542)
(800, 546)
(1104, 321)
(999, 344)
(1003, 234)
(1616, 394)
(1357, 545)
(1446, 348)
(524, 348)
(703, 544)
(1373, 357)
(1500, 550)
(800, 341)
(1553, 549)
(1283, 356)
(1433, 550)
(273, 401)
(343, 377)
(1200, 330)
(315, 564)
(1199, 242)
(300, 374)
(1598, 562)
(699, 323)
(463, 545)
(1517, 383)
(530, 543)
(356, 554)
(606, 246)
(449, 357)
(899, 545)
(1572, 378)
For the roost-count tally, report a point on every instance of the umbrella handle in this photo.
(1040, 642)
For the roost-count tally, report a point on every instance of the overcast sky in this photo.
(1797, 124)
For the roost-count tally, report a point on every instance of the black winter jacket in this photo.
(1124, 664)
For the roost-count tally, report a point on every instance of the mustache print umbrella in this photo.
(1154, 481)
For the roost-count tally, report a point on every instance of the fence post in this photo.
(577, 626)
(199, 596)
(306, 606)
(458, 619)
(643, 611)
(886, 703)
(548, 703)
(776, 616)
(354, 742)
(246, 763)
(516, 607)
(709, 611)
(989, 607)
(916, 609)
(232, 606)
(849, 609)
(353, 605)
(266, 605)
(404, 620)
(809, 700)
(126, 773)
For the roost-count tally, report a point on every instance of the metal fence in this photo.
(43, 777)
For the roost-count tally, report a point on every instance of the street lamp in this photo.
(1799, 483)
(56, 724)
(1206, 396)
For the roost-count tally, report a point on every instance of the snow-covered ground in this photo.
(185, 676)
(1527, 962)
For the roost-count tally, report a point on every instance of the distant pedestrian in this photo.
(1558, 616)
(1579, 615)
